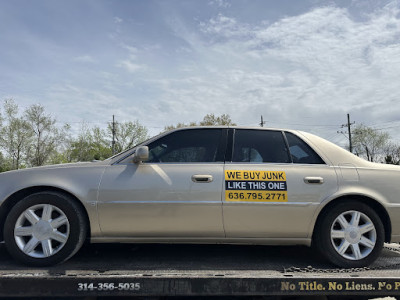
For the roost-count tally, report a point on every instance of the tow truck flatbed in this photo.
(198, 270)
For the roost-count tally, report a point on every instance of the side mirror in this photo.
(141, 154)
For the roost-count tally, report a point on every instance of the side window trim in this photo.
(287, 147)
(222, 146)
(229, 145)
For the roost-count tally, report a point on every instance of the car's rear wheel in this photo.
(350, 235)
(44, 229)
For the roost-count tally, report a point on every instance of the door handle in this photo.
(202, 178)
(314, 180)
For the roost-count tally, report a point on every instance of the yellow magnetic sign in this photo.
(255, 186)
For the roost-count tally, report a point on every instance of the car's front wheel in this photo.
(44, 229)
(350, 235)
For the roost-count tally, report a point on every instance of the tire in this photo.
(346, 242)
(44, 229)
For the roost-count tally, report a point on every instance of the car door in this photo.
(176, 193)
(273, 185)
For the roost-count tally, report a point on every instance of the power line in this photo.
(332, 136)
(387, 127)
(388, 122)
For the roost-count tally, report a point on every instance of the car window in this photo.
(301, 152)
(194, 145)
(260, 146)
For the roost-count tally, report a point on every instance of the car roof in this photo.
(230, 126)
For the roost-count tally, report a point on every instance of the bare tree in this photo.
(369, 143)
(392, 154)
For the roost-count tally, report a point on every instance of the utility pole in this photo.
(348, 125)
(262, 122)
(113, 135)
(349, 129)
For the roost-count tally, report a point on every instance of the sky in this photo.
(301, 64)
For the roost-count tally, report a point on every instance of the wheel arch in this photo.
(21, 194)
(374, 204)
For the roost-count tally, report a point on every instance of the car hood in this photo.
(52, 167)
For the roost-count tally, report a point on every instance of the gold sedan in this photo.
(207, 185)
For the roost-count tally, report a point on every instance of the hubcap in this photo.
(353, 235)
(41, 230)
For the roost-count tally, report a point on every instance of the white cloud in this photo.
(308, 69)
(130, 63)
(224, 27)
(118, 20)
(87, 104)
(220, 3)
(130, 66)
(131, 49)
(311, 68)
(84, 59)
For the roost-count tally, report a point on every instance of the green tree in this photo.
(101, 144)
(179, 125)
(127, 134)
(212, 120)
(16, 135)
(46, 136)
(208, 120)
(369, 143)
(5, 164)
(90, 144)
